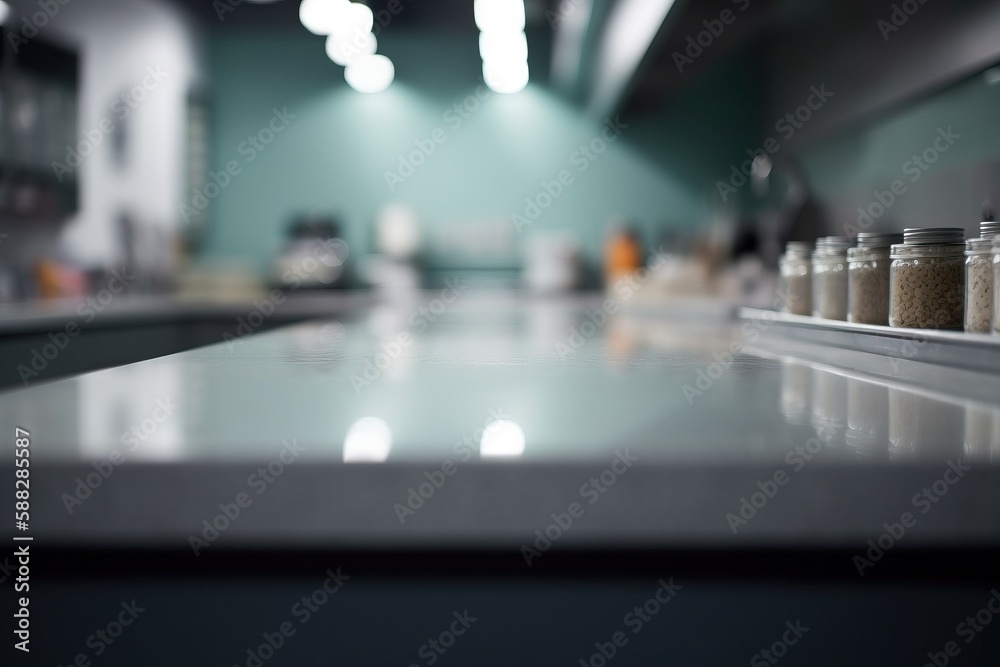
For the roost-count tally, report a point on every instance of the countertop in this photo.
(640, 429)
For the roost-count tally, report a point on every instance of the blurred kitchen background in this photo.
(213, 151)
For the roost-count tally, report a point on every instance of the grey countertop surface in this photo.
(476, 422)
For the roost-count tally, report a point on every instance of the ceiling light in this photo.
(505, 76)
(344, 49)
(500, 15)
(503, 45)
(354, 16)
(370, 73)
(320, 16)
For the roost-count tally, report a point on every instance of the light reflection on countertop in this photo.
(520, 383)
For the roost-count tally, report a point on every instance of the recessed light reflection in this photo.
(370, 74)
(368, 441)
(502, 438)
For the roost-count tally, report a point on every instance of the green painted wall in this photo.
(334, 154)
(873, 155)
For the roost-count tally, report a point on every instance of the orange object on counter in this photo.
(57, 280)
(622, 255)
(47, 275)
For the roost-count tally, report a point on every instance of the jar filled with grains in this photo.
(796, 278)
(996, 281)
(927, 279)
(978, 285)
(829, 266)
(868, 283)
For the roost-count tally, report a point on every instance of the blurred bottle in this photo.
(622, 254)
(314, 255)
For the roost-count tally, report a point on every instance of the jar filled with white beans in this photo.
(868, 282)
(978, 285)
(829, 268)
(796, 278)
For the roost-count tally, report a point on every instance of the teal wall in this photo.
(846, 169)
(334, 154)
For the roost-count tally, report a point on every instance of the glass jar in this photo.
(927, 279)
(796, 278)
(978, 285)
(996, 281)
(868, 281)
(829, 267)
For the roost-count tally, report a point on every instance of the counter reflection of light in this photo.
(368, 441)
(4, 11)
(501, 438)
(370, 74)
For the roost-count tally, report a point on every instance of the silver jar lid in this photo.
(878, 239)
(989, 229)
(933, 235)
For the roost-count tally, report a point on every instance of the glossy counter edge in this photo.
(502, 506)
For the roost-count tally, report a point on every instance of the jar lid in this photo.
(798, 247)
(878, 239)
(989, 229)
(933, 235)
